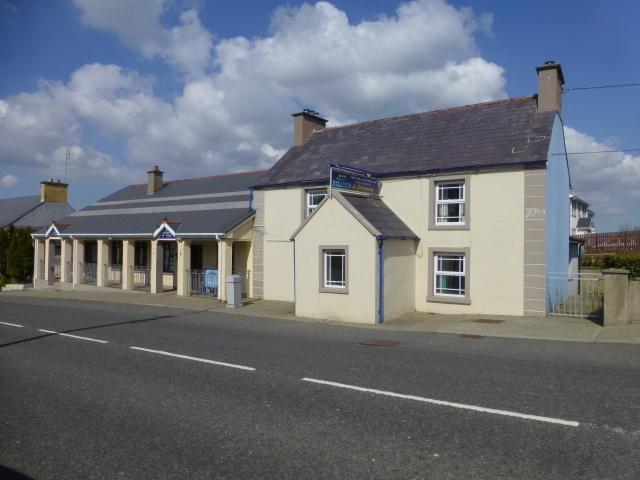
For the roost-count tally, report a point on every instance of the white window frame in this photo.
(436, 293)
(334, 285)
(442, 203)
(311, 193)
(440, 273)
(437, 186)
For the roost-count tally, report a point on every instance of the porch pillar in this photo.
(66, 259)
(225, 265)
(102, 263)
(184, 264)
(38, 264)
(78, 259)
(156, 266)
(128, 253)
(49, 261)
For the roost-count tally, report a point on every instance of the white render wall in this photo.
(332, 225)
(495, 239)
(282, 216)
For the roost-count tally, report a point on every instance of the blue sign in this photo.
(210, 278)
(354, 183)
(166, 235)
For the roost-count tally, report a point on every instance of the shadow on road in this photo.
(84, 329)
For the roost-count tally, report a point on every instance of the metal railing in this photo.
(89, 272)
(42, 269)
(575, 295)
(203, 282)
(141, 278)
(114, 275)
(56, 268)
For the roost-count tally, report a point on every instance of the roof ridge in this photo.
(462, 107)
(199, 178)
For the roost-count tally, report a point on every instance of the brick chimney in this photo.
(154, 182)
(550, 81)
(305, 123)
(53, 191)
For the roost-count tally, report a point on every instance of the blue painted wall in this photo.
(557, 210)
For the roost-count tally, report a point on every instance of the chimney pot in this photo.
(305, 123)
(550, 81)
(154, 179)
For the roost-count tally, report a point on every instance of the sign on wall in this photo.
(354, 183)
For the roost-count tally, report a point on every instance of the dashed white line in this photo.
(73, 336)
(448, 404)
(242, 367)
(12, 324)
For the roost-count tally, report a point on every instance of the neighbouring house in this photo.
(582, 217)
(37, 211)
(157, 236)
(458, 211)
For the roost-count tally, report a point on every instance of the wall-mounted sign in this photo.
(354, 183)
(166, 235)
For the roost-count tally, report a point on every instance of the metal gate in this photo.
(575, 295)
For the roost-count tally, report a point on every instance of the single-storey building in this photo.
(461, 210)
(160, 235)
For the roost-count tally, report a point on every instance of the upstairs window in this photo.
(450, 203)
(314, 197)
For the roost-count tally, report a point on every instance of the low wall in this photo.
(621, 298)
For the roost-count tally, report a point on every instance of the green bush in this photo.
(16, 254)
(627, 260)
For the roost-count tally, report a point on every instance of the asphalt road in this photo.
(138, 392)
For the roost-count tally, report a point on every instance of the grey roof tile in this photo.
(380, 216)
(495, 133)
(205, 205)
(12, 209)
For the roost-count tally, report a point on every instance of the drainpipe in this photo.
(250, 198)
(74, 260)
(380, 281)
(294, 276)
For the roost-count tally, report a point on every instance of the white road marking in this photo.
(448, 404)
(73, 336)
(12, 324)
(193, 358)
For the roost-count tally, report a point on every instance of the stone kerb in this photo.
(616, 297)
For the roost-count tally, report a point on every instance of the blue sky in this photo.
(207, 87)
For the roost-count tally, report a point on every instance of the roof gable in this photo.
(504, 132)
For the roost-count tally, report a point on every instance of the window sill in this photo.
(449, 227)
(447, 299)
(339, 290)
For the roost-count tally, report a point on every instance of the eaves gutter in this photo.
(407, 174)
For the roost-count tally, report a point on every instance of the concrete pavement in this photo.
(570, 329)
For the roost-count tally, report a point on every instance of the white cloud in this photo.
(609, 181)
(233, 113)
(9, 181)
(186, 46)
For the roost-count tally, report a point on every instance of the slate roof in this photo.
(503, 132)
(585, 222)
(207, 205)
(383, 220)
(12, 209)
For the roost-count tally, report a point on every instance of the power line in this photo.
(564, 90)
(601, 151)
